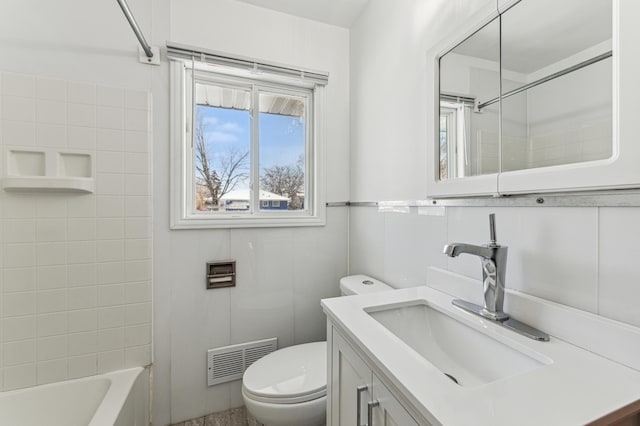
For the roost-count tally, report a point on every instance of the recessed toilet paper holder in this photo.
(221, 274)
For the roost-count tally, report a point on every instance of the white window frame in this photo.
(182, 183)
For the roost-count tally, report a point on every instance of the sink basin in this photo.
(467, 356)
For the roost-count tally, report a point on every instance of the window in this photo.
(247, 149)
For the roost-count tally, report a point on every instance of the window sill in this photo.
(236, 223)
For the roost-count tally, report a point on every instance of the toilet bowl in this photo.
(288, 387)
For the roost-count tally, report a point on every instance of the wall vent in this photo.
(230, 362)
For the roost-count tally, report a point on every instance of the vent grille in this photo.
(230, 362)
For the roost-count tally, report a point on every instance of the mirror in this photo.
(531, 89)
(469, 72)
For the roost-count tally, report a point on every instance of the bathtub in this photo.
(120, 398)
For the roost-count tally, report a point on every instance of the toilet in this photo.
(288, 387)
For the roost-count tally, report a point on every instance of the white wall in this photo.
(581, 257)
(281, 273)
(75, 269)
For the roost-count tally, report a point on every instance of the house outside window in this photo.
(249, 149)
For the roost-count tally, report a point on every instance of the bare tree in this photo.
(287, 181)
(223, 175)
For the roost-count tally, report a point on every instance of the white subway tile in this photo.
(51, 206)
(18, 109)
(110, 229)
(17, 304)
(110, 96)
(136, 141)
(137, 163)
(82, 275)
(109, 118)
(83, 343)
(83, 366)
(81, 252)
(137, 206)
(51, 301)
(18, 85)
(19, 255)
(18, 133)
(82, 320)
(110, 361)
(136, 271)
(110, 251)
(20, 376)
(110, 184)
(19, 352)
(110, 339)
(51, 135)
(82, 297)
(138, 228)
(136, 120)
(111, 295)
(110, 206)
(81, 137)
(137, 335)
(19, 231)
(19, 328)
(136, 314)
(111, 317)
(20, 279)
(137, 99)
(82, 115)
(51, 112)
(138, 292)
(137, 249)
(52, 324)
(51, 254)
(110, 162)
(111, 272)
(137, 356)
(18, 206)
(618, 293)
(52, 371)
(53, 347)
(81, 229)
(51, 89)
(81, 206)
(138, 184)
(51, 230)
(110, 140)
(84, 93)
(52, 277)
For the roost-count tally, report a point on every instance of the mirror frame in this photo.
(620, 171)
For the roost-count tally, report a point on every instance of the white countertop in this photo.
(577, 387)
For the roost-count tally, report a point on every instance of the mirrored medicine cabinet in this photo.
(538, 96)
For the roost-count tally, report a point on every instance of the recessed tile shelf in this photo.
(48, 170)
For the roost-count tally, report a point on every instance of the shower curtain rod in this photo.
(550, 77)
(136, 29)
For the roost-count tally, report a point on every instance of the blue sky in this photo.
(281, 137)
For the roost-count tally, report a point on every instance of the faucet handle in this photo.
(492, 229)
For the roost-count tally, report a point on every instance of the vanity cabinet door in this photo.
(388, 412)
(350, 383)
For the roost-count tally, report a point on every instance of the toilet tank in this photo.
(361, 284)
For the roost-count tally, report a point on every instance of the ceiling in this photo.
(341, 13)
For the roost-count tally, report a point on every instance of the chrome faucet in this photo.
(494, 267)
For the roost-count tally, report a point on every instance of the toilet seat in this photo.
(291, 375)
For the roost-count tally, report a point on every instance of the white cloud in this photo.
(217, 136)
(230, 127)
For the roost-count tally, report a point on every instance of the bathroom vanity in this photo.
(410, 357)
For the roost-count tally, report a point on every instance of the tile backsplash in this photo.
(75, 268)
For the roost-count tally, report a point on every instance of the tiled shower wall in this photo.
(75, 268)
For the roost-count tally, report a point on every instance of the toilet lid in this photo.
(290, 375)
